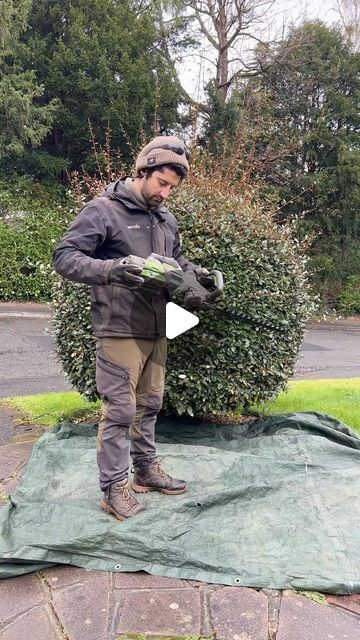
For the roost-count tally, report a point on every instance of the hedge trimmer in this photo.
(160, 272)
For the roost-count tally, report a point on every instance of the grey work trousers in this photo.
(130, 378)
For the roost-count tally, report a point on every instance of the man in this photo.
(129, 218)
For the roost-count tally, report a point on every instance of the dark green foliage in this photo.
(318, 96)
(315, 93)
(32, 221)
(350, 296)
(297, 131)
(73, 333)
(220, 364)
(222, 123)
(332, 268)
(99, 59)
(23, 121)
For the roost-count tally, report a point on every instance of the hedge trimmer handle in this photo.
(218, 291)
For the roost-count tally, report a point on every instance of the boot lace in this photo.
(128, 498)
(156, 466)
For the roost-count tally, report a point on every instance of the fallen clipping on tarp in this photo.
(274, 503)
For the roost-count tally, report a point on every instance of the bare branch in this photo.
(349, 12)
(252, 37)
(206, 32)
(198, 55)
(242, 74)
(227, 25)
(143, 6)
(169, 58)
(197, 6)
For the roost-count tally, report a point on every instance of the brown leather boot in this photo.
(120, 502)
(153, 478)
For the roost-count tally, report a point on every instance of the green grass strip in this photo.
(50, 408)
(337, 397)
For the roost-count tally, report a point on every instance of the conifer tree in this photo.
(99, 59)
(23, 121)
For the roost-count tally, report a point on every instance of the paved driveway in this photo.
(28, 361)
(330, 350)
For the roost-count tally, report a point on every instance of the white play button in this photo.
(178, 320)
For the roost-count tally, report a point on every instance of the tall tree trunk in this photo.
(222, 75)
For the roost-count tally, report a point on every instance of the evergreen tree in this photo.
(296, 130)
(99, 59)
(23, 121)
(318, 101)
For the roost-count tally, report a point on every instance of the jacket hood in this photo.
(118, 191)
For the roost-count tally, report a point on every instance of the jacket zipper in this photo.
(151, 231)
(151, 215)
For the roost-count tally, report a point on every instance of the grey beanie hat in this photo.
(162, 150)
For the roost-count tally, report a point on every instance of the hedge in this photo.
(221, 364)
(32, 220)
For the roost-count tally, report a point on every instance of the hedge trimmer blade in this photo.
(241, 316)
(194, 295)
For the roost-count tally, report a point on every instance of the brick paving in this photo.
(70, 603)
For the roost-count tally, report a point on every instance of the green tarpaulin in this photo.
(271, 504)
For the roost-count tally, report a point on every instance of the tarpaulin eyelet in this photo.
(237, 580)
(117, 567)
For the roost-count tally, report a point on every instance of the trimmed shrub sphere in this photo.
(221, 364)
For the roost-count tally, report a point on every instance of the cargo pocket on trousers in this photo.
(112, 381)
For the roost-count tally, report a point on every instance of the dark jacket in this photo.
(115, 225)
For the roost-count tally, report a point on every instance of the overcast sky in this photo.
(323, 9)
(195, 72)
